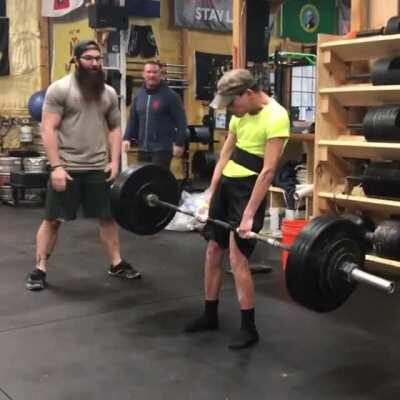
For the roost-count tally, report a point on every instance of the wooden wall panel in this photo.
(379, 14)
(372, 13)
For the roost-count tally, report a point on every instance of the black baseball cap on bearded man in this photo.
(232, 84)
(85, 45)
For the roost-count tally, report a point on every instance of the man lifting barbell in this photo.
(258, 132)
(324, 263)
(257, 136)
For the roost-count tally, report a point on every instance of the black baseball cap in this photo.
(85, 45)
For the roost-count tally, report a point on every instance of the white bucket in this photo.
(25, 134)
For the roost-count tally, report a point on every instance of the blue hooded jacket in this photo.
(157, 119)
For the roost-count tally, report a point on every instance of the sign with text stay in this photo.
(214, 15)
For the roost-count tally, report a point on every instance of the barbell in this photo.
(392, 27)
(380, 124)
(324, 263)
(384, 71)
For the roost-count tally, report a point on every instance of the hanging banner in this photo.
(4, 40)
(302, 20)
(213, 15)
(58, 8)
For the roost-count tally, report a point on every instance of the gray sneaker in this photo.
(36, 280)
(124, 270)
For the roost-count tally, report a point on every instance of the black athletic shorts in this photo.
(89, 190)
(228, 204)
(142, 42)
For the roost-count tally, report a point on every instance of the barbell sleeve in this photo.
(352, 77)
(355, 126)
(353, 273)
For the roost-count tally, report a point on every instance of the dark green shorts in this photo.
(89, 189)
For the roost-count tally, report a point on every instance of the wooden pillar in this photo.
(189, 94)
(371, 13)
(359, 15)
(239, 34)
(44, 48)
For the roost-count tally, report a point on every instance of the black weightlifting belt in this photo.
(245, 159)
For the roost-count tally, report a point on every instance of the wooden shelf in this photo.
(364, 48)
(335, 142)
(362, 202)
(363, 94)
(275, 189)
(360, 148)
(382, 261)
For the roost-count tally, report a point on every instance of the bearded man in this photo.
(82, 139)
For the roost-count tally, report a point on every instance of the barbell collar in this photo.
(353, 273)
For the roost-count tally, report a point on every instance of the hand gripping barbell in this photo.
(324, 264)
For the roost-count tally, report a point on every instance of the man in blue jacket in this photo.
(158, 121)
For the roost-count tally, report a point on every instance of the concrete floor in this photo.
(93, 337)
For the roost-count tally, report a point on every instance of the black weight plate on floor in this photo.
(299, 290)
(128, 204)
(312, 275)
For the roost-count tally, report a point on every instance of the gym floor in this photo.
(90, 336)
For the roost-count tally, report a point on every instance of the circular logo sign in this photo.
(309, 18)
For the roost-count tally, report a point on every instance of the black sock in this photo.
(211, 308)
(247, 335)
(207, 321)
(247, 317)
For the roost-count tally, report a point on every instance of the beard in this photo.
(91, 83)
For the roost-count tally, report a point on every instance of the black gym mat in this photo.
(94, 337)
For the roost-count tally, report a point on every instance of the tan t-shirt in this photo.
(83, 132)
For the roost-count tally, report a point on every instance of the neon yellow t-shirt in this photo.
(253, 131)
